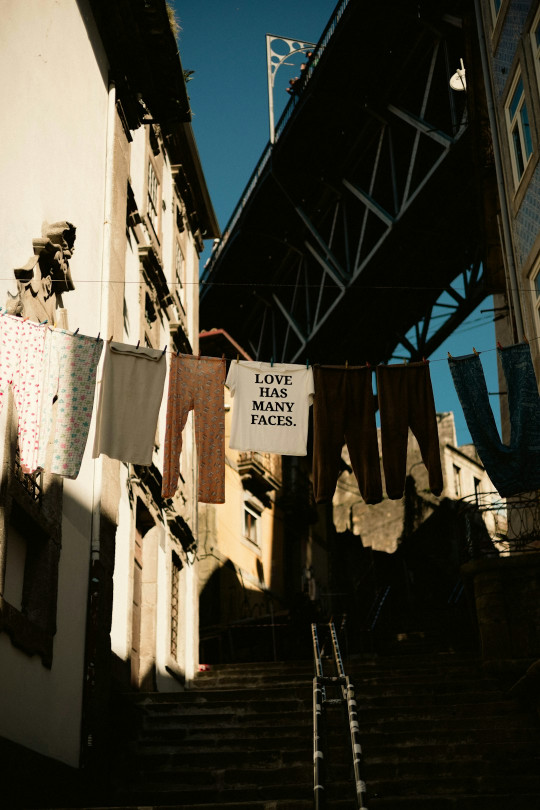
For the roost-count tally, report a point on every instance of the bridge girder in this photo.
(358, 252)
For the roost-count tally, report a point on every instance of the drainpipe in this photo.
(93, 734)
(104, 304)
(507, 231)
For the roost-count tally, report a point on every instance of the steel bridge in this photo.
(368, 230)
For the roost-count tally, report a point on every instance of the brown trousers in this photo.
(344, 411)
(406, 400)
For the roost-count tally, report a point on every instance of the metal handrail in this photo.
(319, 696)
(319, 703)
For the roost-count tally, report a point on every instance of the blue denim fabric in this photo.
(513, 468)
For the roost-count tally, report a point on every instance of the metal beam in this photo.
(477, 292)
(322, 244)
(328, 268)
(290, 320)
(422, 126)
(369, 202)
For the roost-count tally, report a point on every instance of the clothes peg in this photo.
(138, 343)
(237, 358)
(424, 360)
(41, 322)
(110, 340)
(98, 334)
(499, 345)
(75, 332)
(164, 350)
(450, 356)
(25, 319)
(476, 353)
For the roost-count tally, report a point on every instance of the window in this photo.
(179, 220)
(535, 45)
(152, 198)
(176, 567)
(535, 291)
(31, 483)
(517, 121)
(251, 523)
(477, 488)
(179, 273)
(30, 543)
(457, 481)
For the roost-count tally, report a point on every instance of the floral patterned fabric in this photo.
(69, 373)
(21, 363)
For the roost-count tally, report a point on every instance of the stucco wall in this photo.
(52, 168)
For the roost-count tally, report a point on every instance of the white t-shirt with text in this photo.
(271, 406)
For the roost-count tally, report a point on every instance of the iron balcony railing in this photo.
(320, 703)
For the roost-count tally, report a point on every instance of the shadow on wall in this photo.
(253, 626)
(417, 589)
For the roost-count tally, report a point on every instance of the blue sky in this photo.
(223, 42)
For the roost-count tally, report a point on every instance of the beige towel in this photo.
(130, 396)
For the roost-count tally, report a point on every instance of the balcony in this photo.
(260, 472)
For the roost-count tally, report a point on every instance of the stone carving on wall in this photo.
(45, 276)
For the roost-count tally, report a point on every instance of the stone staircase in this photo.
(437, 734)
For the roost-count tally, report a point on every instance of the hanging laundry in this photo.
(271, 406)
(132, 386)
(196, 383)
(21, 364)
(344, 412)
(69, 374)
(513, 468)
(406, 401)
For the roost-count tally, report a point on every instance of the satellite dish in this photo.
(458, 81)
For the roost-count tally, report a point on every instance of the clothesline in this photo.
(176, 353)
(270, 414)
(203, 283)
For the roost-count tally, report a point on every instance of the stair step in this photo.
(366, 694)
(154, 794)
(436, 734)
(216, 707)
(287, 691)
(489, 785)
(462, 802)
(209, 736)
(182, 759)
(513, 801)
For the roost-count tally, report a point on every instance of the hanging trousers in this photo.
(513, 468)
(196, 383)
(406, 401)
(344, 412)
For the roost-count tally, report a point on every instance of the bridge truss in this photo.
(367, 231)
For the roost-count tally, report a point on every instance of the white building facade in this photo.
(105, 213)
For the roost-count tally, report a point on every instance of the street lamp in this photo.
(274, 60)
